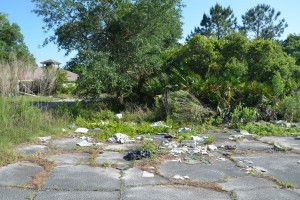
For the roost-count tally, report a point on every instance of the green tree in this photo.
(12, 41)
(220, 22)
(292, 46)
(263, 22)
(131, 35)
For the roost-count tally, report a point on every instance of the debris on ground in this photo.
(81, 130)
(298, 162)
(244, 132)
(178, 177)
(44, 140)
(184, 130)
(235, 137)
(84, 143)
(72, 126)
(147, 174)
(88, 139)
(159, 124)
(229, 147)
(120, 138)
(189, 143)
(197, 138)
(119, 116)
(221, 159)
(137, 155)
(212, 147)
(297, 138)
(278, 148)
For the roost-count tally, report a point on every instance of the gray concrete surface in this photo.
(173, 193)
(83, 177)
(111, 157)
(7, 193)
(18, 173)
(31, 149)
(289, 142)
(69, 159)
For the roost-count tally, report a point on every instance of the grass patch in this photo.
(21, 122)
(269, 129)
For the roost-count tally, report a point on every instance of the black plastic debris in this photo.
(137, 155)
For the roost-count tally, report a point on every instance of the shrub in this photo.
(243, 115)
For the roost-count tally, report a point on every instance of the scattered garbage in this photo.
(44, 139)
(212, 147)
(260, 169)
(184, 130)
(244, 132)
(119, 116)
(81, 130)
(178, 177)
(229, 147)
(147, 174)
(298, 162)
(278, 148)
(235, 137)
(119, 138)
(189, 143)
(221, 159)
(297, 138)
(159, 124)
(84, 143)
(88, 139)
(137, 155)
(63, 130)
(197, 138)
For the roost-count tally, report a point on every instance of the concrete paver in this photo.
(7, 193)
(69, 159)
(31, 149)
(18, 173)
(83, 177)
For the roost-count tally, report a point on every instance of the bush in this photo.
(289, 108)
(243, 115)
(181, 106)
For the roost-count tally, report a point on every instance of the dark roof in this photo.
(38, 73)
(50, 61)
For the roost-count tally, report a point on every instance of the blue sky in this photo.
(19, 11)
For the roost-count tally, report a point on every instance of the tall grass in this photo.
(21, 122)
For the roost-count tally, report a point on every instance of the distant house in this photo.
(26, 83)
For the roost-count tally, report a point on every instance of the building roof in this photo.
(38, 73)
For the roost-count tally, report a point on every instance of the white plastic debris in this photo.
(212, 147)
(147, 174)
(184, 130)
(221, 159)
(178, 177)
(84, 143)
(44, 139)
(81, 130)
(119, 116)
(159, 124)
(119, 138)
(63, 130)
(88, 139)
(298, 162)
(244, 132)
(197, 138)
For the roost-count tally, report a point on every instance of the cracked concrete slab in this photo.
(280, 165)
(266, 193)
(65, 143)
(83, 177)
(201, 172)
(31, 149)
(133, 177)
(7, 193)
(77, 195)
(18, 173)
(70, 158)
(119, 147)
(111, 157)
(174, 193)
(289, 142)
(247, 183)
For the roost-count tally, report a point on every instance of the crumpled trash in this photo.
(230, 147)
(137, 155)
(184, 130)
(81, 130)
(178, 177)
(44, 139)
(212, 147)
(278, 148)
(221, 159)
(88, 139)
(84, 143)
(119, 138)
(244, 132)
(197, 138)
(297, 138)
(159, 124)
(119, 116)
(147, 174)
